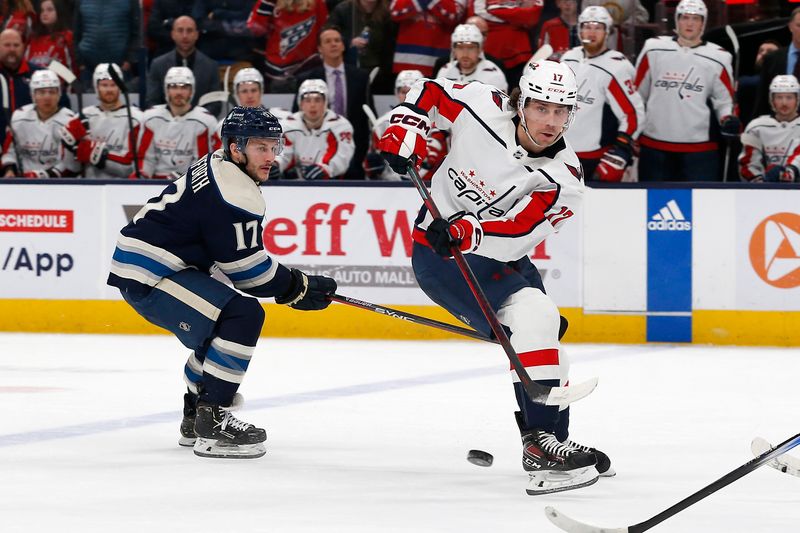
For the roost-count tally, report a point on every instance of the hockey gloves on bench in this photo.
(730, 127)
(73, 133)
(613, 163)
(462, 230)
(787, 174)
(406, 139)
(308, 293)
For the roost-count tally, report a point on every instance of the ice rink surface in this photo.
(372, 437)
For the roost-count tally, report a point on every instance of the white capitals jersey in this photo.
(329, 146)
(38, 143)
(676, 83)
(111, 127)
(169, 144)
(605, 85)
(485, 71)
(520, 198)
(766, 143)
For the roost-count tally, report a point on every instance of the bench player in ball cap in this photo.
(211, 218)
(509, 180)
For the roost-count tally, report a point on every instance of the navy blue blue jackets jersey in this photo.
(211, 216)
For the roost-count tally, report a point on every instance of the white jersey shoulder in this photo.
(236, 188)
(485, 71)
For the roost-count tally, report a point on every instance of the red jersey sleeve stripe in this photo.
(202, 144)
(433, 95)
(641, 72)
(627, 107)
(333, 145)
(526, 220)
(744, 166)
(726, 80)
(147, 138)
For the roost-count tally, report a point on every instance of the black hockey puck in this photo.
(480, 458)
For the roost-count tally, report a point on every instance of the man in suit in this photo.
(185, 54)
(785, 61)
(349, 91)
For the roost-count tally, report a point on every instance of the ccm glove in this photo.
(308, 293)
(730, 127)
(405, 139)
(315, 172)
(93, 153)
(462, 230)
(613, 163)
(73, 133)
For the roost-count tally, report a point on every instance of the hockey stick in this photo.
(573, 526)
(735, 42)
(415, 319)
(69, 77)
(785, 463)
(7, 114)
(537, 393)
(370, 115)
(131, 137)
(543, 52)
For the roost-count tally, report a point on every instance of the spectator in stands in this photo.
(772, 142)
(176, 134)
(786, 60)
(747, 89)
(348, 88)
(103, 141)
(32, 147)
(106, 31)
(423, 32)
(370, 33)
(510, 23)
(51, 38)
(185, 54)
(375, 166)
(223, 29)
(159, 24)
(686, 84)
(18, 15)
(319, 141)
(561, 32)
(468, 62)
(291, 29)
(611, 112)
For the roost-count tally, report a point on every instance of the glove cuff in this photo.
(296, 291)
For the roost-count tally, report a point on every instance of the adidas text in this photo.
(669, 225)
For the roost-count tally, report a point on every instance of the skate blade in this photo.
(609, 473)
(548, 482)
(186, 442)
(212, 448)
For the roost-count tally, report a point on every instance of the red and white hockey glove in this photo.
(92, 153)
(611, 167)
(73, 133)
(405, 139)
(35, 174)
(790, 174)
(462, 230)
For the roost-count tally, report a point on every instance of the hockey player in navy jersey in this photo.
(509, 180)
(210, 218)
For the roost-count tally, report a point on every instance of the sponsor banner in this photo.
(669, 265)
(36, 220)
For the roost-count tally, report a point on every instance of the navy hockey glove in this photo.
(308, 293)
(405, 140)
(730, 127)
(462, 230)
(773, 174)
(374, 165)
(790, 174)
(314, 172)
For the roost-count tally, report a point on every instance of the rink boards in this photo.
(717, 266)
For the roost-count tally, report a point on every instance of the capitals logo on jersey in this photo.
(293, 35)
(585, 95)
(685, 83)
(473, 188)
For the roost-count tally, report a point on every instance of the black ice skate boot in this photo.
(553, 466)
(603, 465)
(187, 424)
(220, 434)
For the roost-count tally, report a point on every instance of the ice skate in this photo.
(553, 466)
(603, 465)
(220, 434)
(188, 436)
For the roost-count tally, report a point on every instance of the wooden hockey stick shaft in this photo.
(408, 317)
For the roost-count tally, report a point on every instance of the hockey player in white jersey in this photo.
(375, 166)
(467, 62)
(610, 111)
(678, 77)
(771, 143)
(509, 181)
(32, 147)
(211, 218)
(102, 140)
(175, 133)
(319, 142)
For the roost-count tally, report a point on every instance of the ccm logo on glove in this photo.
(411, 120)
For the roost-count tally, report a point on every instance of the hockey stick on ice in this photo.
(538, 393)
(415, 319)
(735, 42)
(131, 134)
(785, 463)
(573, 526)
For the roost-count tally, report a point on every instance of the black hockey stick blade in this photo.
(537, 393)
(115, 77)
(785, 463)
(573, 526)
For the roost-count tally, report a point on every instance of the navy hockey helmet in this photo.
(244, 123)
